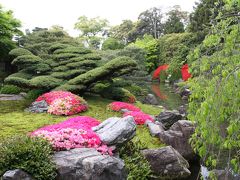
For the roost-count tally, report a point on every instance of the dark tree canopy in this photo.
(205, 10)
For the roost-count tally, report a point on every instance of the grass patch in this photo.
(149, 109)
(14, 121)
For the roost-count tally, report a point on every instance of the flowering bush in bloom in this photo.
(73, 133)
(63, 103)
(139, 116)
(69, 138)
(79, 122)
(117, 106)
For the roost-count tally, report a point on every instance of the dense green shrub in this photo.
(20, 52)
(46, 82)
(21, 82)
(54, 65)
(32, 155)
(112, 44)
(151, 47)
(136, 90)
(34, 94)
(136, 165)
(104, 71)
(116, 93)
(10, 89)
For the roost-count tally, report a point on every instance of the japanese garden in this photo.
(155, 98)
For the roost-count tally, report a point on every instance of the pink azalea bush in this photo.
(139, 116)
(79, 122)
(73, 133)
(63, 103)
(117, 106)
(68, 138)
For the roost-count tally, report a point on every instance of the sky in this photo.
(45, 13)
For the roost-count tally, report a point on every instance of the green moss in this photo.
(143, 135)
(149, 109)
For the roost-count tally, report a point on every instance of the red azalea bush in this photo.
(185, 72)
(157, 72)
(63, 103)
(139, 116)
(73, 133)
(117, 106)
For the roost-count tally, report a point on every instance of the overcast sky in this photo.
(45, 13)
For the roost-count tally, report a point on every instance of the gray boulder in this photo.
(168, 118)
(167, 162)
(38, 107)
(10, 97)
(116, 131)
(88, 164)
(178, 137)
(185, 92)
(150, 99)
(155, 129)
(16, 174)
(224, 175)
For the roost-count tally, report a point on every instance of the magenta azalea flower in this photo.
(117, 106)
(139, 117)
(75, 132)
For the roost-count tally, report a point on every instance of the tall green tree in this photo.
(124, 32)
(175, 21)
(9, 27)
(150, 22)
(92, 30)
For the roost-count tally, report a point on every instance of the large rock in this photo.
(167, 162)
(16, 174)
(38, 107)
(185, 92)
(168, 118)
(150, 99)
(88, 164)
(154, 129)
(116, 131)
(178, 137)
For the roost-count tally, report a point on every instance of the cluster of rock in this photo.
(171, 161)
(184, 91)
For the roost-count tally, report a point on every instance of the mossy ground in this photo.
(14, 121)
